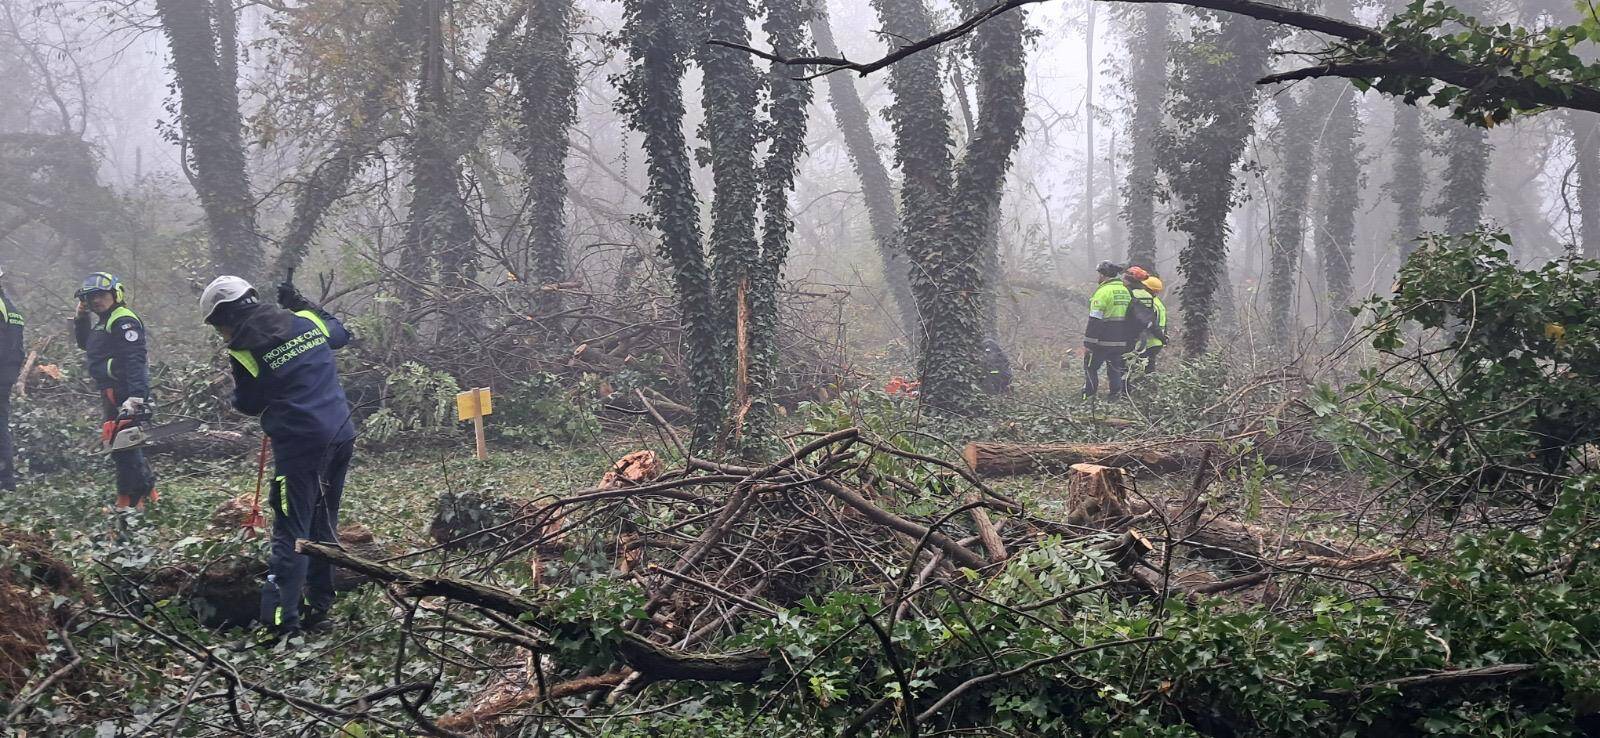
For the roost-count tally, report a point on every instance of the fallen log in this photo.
(1006, 459)
(1097, 496)
(653, 660)
(1010, 459)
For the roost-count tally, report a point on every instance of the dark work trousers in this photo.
(8, 446)
(305, 504)
(135, 479)
(1116, 367)
(1150, 355)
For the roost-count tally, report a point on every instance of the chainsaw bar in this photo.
(140, 437)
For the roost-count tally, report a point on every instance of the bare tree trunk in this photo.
(205, 69)
(854, 125)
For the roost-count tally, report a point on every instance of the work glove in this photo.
(133, 407)
(290, 298)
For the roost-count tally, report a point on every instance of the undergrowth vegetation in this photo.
(850, 588)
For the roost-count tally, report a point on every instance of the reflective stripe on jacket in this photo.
(1108, 313)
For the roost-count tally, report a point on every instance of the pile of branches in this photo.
(688, 572)
(494, 335)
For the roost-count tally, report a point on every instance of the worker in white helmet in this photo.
(284, 373)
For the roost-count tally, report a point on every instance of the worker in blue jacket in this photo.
(284, 372)
(12, 352)
(114, 341)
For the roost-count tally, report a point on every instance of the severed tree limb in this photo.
(1440, 680)
(1413, 61)
(833, 64)
(655, 661)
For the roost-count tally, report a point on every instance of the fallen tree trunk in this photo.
(1008, 459)
(653, 660)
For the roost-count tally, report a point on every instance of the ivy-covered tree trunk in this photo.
(850, 114)
(1297, 142)
(787, 103)
(1212, 104)
(1341, 191)
(923, 143)
(1408, 184)
(652, 101)
(1464, 192)
(204, 49)
(946, 212)
(1148, 47)
(1585, 131)
(547, 107)
(439, 230)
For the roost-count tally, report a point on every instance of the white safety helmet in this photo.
(225, 288)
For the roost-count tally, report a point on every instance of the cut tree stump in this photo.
(1005, 459)
(1097, 496)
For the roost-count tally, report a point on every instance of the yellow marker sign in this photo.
(473, 405)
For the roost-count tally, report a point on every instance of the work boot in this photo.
(316, 620)
(124, 502)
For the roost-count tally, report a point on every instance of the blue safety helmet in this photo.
(100, 282)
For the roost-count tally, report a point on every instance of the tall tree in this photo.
(788, 101)
(1212, 105)
(850, 114)
(1408, 184)
(1341, 198)
(1341, 187)
(1148, 45)
(652, 101)
(947, 207)
(547, 106)
(439, 230)
(1584, 129)
(1297, 142)
(1464, 192)
(727, 299)
(204, 45)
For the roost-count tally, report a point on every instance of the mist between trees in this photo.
(724, 229)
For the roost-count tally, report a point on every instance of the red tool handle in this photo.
(254, 521)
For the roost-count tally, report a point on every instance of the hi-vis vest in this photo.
(11, 318)
(1108, 313)
(285, 352)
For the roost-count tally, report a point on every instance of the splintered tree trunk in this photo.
(547, 106)
(850, 114)
(1097, 496)
(1149, 82)
(204, 64)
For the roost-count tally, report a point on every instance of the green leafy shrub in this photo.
(416, 399)
(541, 411)
(53, 434)
(1492, 378)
